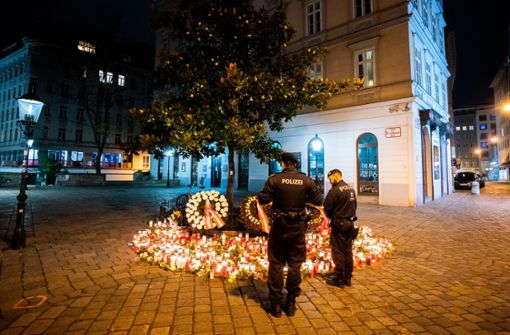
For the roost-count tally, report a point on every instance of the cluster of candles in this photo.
(237, 255)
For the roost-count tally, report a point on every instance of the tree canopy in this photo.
(227, 79)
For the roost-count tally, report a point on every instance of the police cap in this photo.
(288, 157)
(333, 172)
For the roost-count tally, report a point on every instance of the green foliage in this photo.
(227, 80)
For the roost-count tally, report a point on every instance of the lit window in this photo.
(483, 126)
(121, 80)
(86, 47)
(365, 67)
(109, 78)
(464, 128)
(102, 78)
(315, 70)
(363, 7)
(313, 17)
(471, 127)
(457, 128)
(368, 172)
(484, 145)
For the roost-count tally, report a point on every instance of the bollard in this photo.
(475, 187)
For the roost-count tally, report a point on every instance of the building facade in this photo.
(391, 138)
(87, 90)
(501, 88)
(476, 140)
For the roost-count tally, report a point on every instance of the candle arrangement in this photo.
(238, 256)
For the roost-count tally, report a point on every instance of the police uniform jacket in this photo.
(340, 202)
(290, 190)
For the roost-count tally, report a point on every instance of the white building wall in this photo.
(340, 130)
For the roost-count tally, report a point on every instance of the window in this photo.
(316, 161)
(368, 173)
(484, 145)
(471, 127)
(493, 117)
(64, 91)
(483, 136)
(63, 112)
(365, 67)
(316, 70)
(118, 120)
(79, 114)
(457, 128)
(60, 156)
(109, 78)
(145, 162)
(102, 77)
(121, 80)
(363, 7)
(436, 87)
(61, 135)
(425, 12)
(483, 126)
(313, 17)
(418, 66)
(86, 47)
(79, 136)
(117, 138)
(76, 158)
(274, 165)
(428, 78)
(482, 118)
(129, 139)
(45, 133)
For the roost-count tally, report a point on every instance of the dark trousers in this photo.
(286, 245)
(341, 247)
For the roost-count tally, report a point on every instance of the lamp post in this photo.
(29, 106)
(168, 154)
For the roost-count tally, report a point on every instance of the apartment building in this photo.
(391, 139)
(476, 140)
(501, 88)
(87, 89)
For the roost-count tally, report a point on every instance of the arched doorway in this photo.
(274, 166)
(428, 189)
(368, 165)
(316, 161)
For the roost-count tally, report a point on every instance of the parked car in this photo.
(464, 179)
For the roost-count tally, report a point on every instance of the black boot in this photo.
(275, 310)
(336, 280)
(347, 281)
(290, 306)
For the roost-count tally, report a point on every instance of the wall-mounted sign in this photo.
(392, 132)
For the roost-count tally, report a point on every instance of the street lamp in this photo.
(168, 154)
(29, 106)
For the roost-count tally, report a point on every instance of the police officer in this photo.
(289, 191)
(340, 207)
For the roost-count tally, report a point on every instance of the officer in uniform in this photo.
(289, 191)
(340, 207)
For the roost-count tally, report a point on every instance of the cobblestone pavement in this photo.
(450, 273)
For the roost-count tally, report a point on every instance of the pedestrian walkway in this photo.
(449, 274)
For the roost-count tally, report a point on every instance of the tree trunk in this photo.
(97, 163)
(231, 174)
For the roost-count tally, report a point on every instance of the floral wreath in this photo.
(249, 213)
(196, 206)
(250, 216)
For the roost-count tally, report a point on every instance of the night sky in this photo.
(481, 29)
